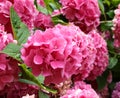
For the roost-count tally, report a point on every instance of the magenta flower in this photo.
(80, 90)
(102, 58)
(5, 14)
(57, 53)
(116, 27)
(26, 11)
(4, 11)
(116, 91)
(43, 21)
(8, 66)
(18, 90)
(88, 51)
(84, 13)
(30, 15)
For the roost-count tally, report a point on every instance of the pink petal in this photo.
(2, 66)
(7, 78)
(38, 59)
(57, 64)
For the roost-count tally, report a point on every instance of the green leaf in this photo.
(43, 95)
(48, 6)
(112, 62)
(41, 78)
(59, 19)
(26, 74)
(102, 80)
(101, 5)
(28, 77)
(107, 2)
(40, 8)
(27, 81)
(51, 5)
(20, 30)
(106, 25)
(110, 14)
(110, 45)
(115, 2)
(12, 50)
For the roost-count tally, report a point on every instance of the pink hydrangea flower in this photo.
(26, 11)
(18, 90)
(84, 13)
(58, 52)
(43, 21)
(5, 14)
(80, 90)
(8, 66)
(116, 91)
(102, 59)
(116, 27)
(30, 15)
(104, 93)
(88, 51)
(4, 11)
(4, 37)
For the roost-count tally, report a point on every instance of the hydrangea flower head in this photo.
(18, 90)
(58, 52)
(8, 66)
(80, 90)
(84, 13)
(26, 11)
(116, 91)
(116, 27)
(42, 21)
(102, 59)
(5, 14)
(88, 51)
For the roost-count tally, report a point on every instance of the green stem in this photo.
(43, 87)
(106, 21)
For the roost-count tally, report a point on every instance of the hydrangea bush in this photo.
(59, 48)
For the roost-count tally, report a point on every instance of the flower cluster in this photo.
(54, 53)
(116, 28)
(63, 51)
(101, 60)
(27, 12)
(84, 13)
(18, 90)
(8, 66)
(116, 91)
(80, 90)
(4, 14)
(61, 44)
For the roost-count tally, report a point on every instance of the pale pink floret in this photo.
(116, 27)
(8, 66)
(80, 90)
(29, 96)
(101, 61)
(84, 13)
(57, 53)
